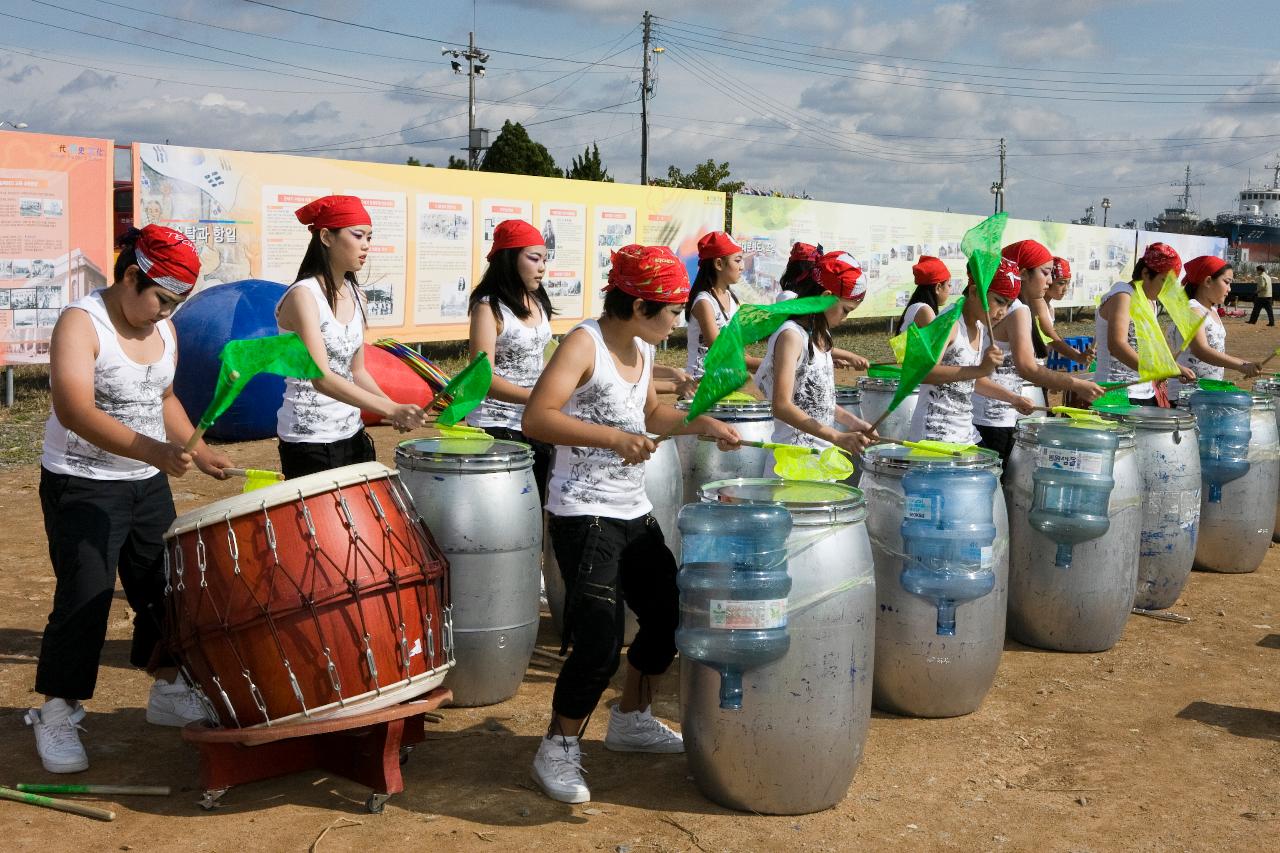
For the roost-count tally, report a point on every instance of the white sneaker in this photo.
(640, 731)
(174, 704)
(558, 769)
(55, 724)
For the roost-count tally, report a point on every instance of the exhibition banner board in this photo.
(55, 234)
(431, 227)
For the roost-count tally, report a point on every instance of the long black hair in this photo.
(815, 324)
(924, 294)
(501, 283)
(797, 272)
(315, 264)
(703, 281)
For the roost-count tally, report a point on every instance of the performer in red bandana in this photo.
(1042, 311)
(319, 423)
(933, 289)
(1207, 283)
(595, 401)
(113, 439)
(712, 302)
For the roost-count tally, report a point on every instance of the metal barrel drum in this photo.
(664, 485)
(1084, 607)
(318, 598)
(1167, 444)
(480, 500)
(702, 462)
(1272, 387)
(849, 398)
(1034, 393)
(877, 394)
(919, 672)
(798, 738)
(1236, 531)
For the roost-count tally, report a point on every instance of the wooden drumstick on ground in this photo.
(59, 805)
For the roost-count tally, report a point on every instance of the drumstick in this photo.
(136, 790)
(59, 805)
(194, 440)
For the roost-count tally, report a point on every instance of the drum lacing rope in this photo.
(390, 567)
(433, 566)
(177, 623)
(172, 640)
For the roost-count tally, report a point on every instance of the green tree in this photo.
(588, 167)
(454, 163)
(710, 176)
(414, 161)
(515, 153)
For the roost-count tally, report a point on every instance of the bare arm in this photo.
(1018, 327)
(1044, 316)
(178, 429)
(1116, 312)
(484, 338)
(1199, 347)
(703, 311)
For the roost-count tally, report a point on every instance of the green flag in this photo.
(283, 355)
(725, 366)
(1114, 402)
(981, 245)
(924, 347)
(1174, 299)
(466, 390)
(1206, 384)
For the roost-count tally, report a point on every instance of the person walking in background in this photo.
(1262, 299)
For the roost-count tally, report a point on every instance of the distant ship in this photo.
(1253, 229)
(1180, 219)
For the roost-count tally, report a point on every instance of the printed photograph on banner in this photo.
(493, 212)
(615, 227)
(382, 279)
(283, 239)
(442, 262)
(564, 232)
(55, 235)
(678, 219)
(195, 191)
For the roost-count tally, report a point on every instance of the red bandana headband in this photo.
(1027, 254)
(334, 212)
(1198, 269)
(1006, 282)
(841, 274)
(930, 270)
(717, 244)
(1061, 268)
(514, 234)
(1160, 258)
(168, 258)
(649, 272)
(805, 252)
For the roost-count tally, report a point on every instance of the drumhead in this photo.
(896, 459)
(463, 455)
(277, 495)
(810, 503)
(1156, 418)
(756, 410)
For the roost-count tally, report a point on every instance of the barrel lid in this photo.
(726, 410)
(1269, 385)
(809, 503)
(279, 494)
(427, 453)
(848, 394)
(894, 458)
(876, 383)
(1028, 429)
(1155, 418)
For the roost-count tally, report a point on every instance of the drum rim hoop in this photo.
(849, 511)
(879, 458)
(415, 460)
(278, 494)
(875, 383)
(1028, 429)
(759, 410)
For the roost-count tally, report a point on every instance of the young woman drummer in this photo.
(995, 418)
(1114, 332)
(511, 322)
(797, 374)
(933, 289)
(944, 411)
(712, 302)
(801, 268)
(115, 435)
(1042, 315)
(1207, 282)
(319, 422)
(595, 401)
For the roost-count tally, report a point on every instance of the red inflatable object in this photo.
(396, 379)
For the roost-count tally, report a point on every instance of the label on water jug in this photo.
(1064, 459)
(751, 615)
(988, 556)
(918, 508)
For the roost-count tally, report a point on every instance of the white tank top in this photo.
(1215, 334)
(131, 393)
(517, 358)
(697, 350)
(813, 393)
(909, 316)
(306, 415)
(1113, 369)
(945, 412)
(998, 413)
(593, 480)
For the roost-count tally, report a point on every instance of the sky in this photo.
(895, 103)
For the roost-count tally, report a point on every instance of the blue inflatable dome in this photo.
(224, 312)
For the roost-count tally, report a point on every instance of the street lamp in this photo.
(21, 125)
(1106, 206)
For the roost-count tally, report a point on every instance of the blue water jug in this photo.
(733, 590)
(947, 536)
(1223, 418)
(1073, 482)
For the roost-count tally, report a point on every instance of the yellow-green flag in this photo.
(1174, 299)
(1155, 361)
(898, 343)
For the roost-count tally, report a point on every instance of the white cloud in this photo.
(87, 81)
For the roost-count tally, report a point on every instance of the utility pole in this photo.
(644, 102)
(477, 137)
(997, 188)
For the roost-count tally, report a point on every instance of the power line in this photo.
(1036, 177)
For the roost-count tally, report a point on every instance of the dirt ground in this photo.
(1170, 741)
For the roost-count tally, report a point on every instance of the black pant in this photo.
(600, 558)
(1261, 303)
(997, 438)
(542, 453)
(1144, 401)
(300, 458)
(97, 528)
